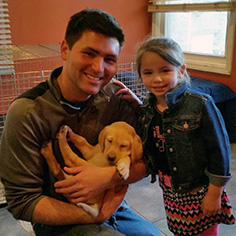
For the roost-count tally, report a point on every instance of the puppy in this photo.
(118, 144)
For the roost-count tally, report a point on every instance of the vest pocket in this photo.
(186, 124)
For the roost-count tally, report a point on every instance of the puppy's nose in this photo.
(111, 158)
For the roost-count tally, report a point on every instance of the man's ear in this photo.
(64, 49)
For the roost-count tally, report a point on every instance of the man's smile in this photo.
(91, 77)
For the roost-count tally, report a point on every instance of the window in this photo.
(203, 29)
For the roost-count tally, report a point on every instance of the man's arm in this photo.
(52, 211)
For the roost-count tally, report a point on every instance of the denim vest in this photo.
(196, 141)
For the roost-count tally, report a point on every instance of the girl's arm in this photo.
(218, 153)
(127, 94)
(217, 144)
(211, 203)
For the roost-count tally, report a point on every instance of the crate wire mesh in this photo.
(127, 74)
(31, 69)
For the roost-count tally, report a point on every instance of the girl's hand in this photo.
(127, 94)
(211, 203)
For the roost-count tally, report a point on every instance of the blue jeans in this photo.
(123, 222)
(130, 224)
(9, 226)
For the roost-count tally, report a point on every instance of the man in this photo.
(78, 94)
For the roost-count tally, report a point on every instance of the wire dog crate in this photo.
(33, 64)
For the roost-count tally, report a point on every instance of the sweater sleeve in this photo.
(21, 163)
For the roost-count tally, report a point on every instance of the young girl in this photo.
(185, 142)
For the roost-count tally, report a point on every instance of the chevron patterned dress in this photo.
(183, 210)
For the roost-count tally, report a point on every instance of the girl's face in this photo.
(158, 75)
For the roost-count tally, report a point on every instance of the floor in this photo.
(146, 199)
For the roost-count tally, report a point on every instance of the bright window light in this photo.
(204, 29)
(198, 32)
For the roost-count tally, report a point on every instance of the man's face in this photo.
(89, 65)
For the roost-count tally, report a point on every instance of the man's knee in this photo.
(78, 230)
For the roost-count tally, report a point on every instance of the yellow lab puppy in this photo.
(118, 144)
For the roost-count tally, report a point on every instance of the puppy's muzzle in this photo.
(111, 158)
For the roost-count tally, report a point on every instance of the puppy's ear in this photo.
(137, 149)
(101, 138)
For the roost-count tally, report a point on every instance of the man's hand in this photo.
(87, 181)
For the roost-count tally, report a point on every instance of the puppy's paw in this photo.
(93, 211)
(46, 148)
(71, 135)
(63, 131)
(123, 170)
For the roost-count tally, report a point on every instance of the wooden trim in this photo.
(227, 6)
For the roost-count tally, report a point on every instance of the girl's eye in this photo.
(166, 71)
(147, 73)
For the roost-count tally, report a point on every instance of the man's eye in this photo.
(90, 54)
(110, 60)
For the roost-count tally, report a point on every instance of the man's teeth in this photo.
(93, 77)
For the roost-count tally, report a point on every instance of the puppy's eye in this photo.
(122, 146)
